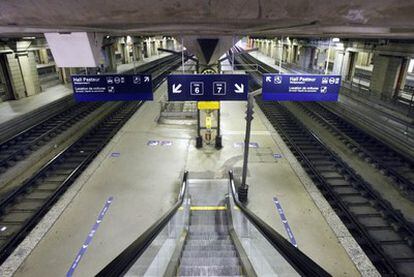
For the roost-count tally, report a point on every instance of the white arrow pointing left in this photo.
(239, 88)
(268, 79)
(176, 89)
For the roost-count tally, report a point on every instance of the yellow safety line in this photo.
(208, 208)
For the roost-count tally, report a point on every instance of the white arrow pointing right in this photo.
(176, 89)
(239, 88)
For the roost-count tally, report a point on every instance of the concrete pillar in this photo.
(156, 46)
(16, 77)
(147, 48)
(43, 57)
(125, 50)
(23, 74)
(348, 68)
(110, 58)
(127, 57)
(338, 62)
(305, 57)
(30, 75)
(294, 53)
(388, 75)
(175, 44)
(138, 51)
(64, 75)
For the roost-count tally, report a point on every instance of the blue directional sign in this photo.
(301, 87)
(211, 87)
(112, 87)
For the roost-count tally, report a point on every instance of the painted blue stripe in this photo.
(285, 222)
(89, 238)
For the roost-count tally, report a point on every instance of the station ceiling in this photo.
(310, 18)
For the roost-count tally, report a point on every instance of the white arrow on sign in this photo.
(146, 79)
(239, 88)
(268, 79)
(176, 89)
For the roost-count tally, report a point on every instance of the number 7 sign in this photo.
(219, 88)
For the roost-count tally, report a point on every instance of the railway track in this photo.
(391, 163)
(27, 141)
(22, 209)
(386, 237)
(382, 232)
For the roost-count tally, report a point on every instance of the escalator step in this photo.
(209, 247)
(211, 253)
(196, 242)
(210, 261)
(226, 270)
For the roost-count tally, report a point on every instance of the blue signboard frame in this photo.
(298, 87)
(211, 87)
(112, 87)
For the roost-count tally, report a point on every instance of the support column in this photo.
(388, 75)
(338, 62)
(44, 58)
(110, 58)
(305, 58)
(127, 57)
(348, 67)
(22, 71)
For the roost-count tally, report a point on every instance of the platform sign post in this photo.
(297, 87)
(243, 189)
(116, 87)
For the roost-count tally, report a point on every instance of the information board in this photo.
(112, 87)
(211, 87)
(294, 87)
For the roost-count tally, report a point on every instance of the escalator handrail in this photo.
(296, 258)
(124, 261)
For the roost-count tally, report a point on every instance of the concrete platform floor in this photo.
(15, 108)
(144, 182)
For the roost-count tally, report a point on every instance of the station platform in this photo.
(10, 110)
(46, 103)
(141, 169)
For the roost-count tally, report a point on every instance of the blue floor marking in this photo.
(285, 222)
(88, 240)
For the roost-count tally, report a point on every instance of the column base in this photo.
(219, 144)
(199, 142)
(242, 193)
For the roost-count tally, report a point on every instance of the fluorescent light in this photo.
(335, 40)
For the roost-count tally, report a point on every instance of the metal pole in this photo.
(243, 189)
(182, 53)
(327, 59)
(219, 144)
(232, 56)
(281, 55)
(134, 55)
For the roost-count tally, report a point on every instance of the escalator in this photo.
(208, 232)
(209, 249)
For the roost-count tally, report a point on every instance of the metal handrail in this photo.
(296, 258)
(124, 261)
